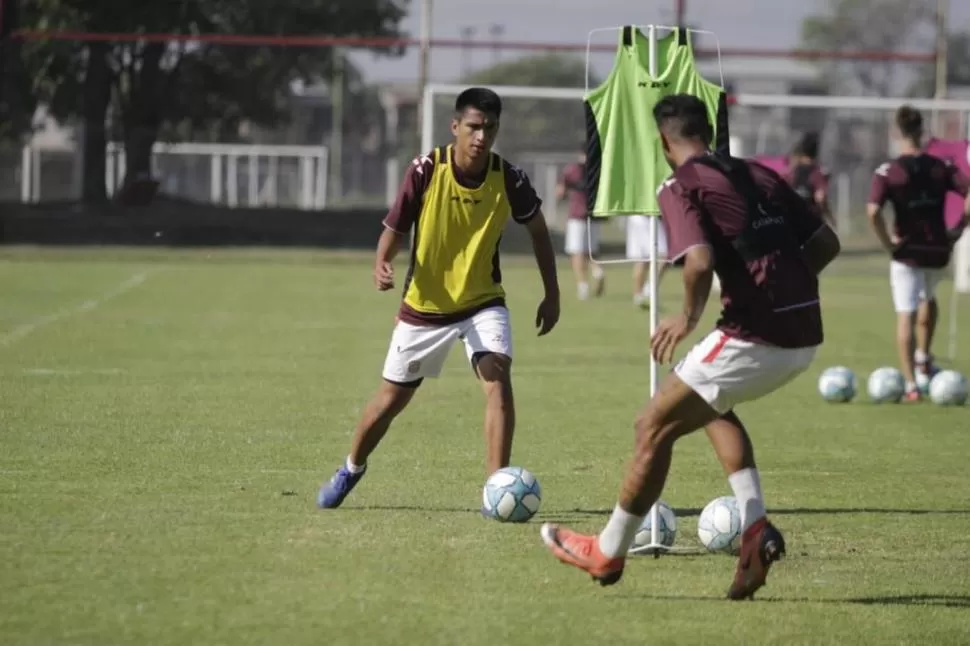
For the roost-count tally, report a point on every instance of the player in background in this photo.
(808, 178)
(742, 221)
(457, 199)
(919, 245)
(582, 232)
(638, 242)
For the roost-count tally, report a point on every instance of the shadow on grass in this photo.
(797, 511)
(938, 600)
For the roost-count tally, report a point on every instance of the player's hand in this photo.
(384, 276)
(670, 332)
(547, 315)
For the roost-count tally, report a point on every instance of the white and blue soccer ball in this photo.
(837, 384)
(719, 526)
(948, 388)
(666, 527)
(511, 495)
(886, 385)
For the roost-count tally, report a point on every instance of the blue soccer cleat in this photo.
(332, 494)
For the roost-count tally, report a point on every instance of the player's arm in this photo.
(544, 252)
(686, 239)
(527, 210)
(960, 183)
(400, 219)
(878, 194)
(821, 195)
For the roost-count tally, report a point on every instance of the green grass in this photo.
(167, 418)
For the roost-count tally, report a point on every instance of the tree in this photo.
(875, 25)
(159, 89)
(957, 66)
(540, 124)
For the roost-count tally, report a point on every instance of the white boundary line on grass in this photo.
(21, 331)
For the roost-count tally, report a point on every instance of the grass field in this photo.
(167, 418)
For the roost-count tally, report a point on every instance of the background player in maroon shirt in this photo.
(919, 245)
(808, 178)
(582, 232)
(742, 221)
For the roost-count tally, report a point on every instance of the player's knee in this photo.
(651, 432)
(393, 397)
(493, 368)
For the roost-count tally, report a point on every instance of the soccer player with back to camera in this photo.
(742, 221)
(919, 245)
(457, 199)
(808, 178)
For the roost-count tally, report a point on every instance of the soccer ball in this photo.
(886, 385)
(837, 384)
(948, 388)
(666, 530)
(719, 526)
(511, 495)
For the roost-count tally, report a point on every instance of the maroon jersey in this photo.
(917, 185)
(755, 225)
(574, 179)
(523, 201)
(807, 180)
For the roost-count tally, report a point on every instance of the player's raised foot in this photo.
(599, 285)
(583, 552)
(761, 545)
(332, 493)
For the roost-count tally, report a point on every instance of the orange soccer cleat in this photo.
(583, 552)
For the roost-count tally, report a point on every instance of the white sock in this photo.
(747, 489)
(910, 386)
(618, 535)
(920, 357)
(582, 290)
(596, 271)
(355, 468)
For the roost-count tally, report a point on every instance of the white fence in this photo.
(247, 175)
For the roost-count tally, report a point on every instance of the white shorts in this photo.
(912, 285)
(577, 238)
(638, 239)
(726, 371)
(418, 351)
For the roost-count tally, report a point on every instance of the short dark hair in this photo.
(479, 98)
(909, 121)
(807, 145)
(684, 116)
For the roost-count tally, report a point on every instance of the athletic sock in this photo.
(355, 468)
(747, 489)
(618, 535)
(582, 290)
(596, 271)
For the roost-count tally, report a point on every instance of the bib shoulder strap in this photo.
(441, 156)
(737, 172)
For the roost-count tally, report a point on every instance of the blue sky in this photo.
(738, 23)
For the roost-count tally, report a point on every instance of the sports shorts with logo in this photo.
(726, 371)
(418, 351)
(912, 285)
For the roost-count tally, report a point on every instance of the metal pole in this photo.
(942, 9)
(424, 64)
(336, 152)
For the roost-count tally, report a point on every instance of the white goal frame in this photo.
(961, 283)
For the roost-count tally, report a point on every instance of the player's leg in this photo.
(578, 251)
(636, 251)
(595, 269)
(927, 315)
(415, 352)
(905, 285)
(674, 411)
(488, 343)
